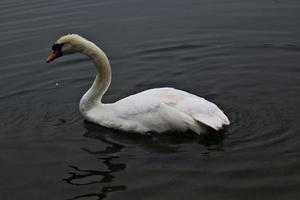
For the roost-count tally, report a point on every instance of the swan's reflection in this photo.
(167, 143)
(170, 143)
(81, 177)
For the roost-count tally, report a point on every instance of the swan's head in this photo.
(67, 44)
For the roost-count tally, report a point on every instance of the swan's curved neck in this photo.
(103, 78)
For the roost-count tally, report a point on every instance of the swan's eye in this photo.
(57, 46)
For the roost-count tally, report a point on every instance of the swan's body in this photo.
(155, 110)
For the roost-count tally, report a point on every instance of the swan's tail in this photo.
(217, 122)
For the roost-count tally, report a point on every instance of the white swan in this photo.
(155, 110)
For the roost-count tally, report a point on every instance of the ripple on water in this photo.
(238, 58)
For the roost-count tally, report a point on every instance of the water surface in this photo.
(242, 55)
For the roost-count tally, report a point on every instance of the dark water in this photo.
(242, 55)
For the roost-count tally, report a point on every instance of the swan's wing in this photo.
(204, 111)
(168, 107)
(198, 108)
(147, 111)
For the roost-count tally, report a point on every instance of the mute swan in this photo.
(155, 110)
